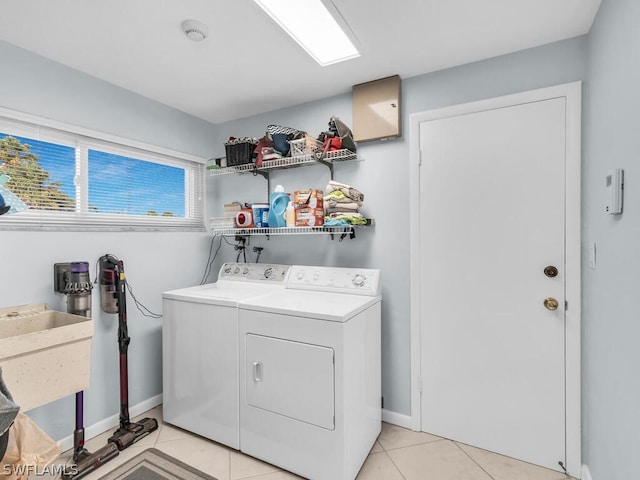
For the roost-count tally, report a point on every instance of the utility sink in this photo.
(44, 354)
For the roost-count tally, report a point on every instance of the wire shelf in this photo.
(286, 162)
(284, 231)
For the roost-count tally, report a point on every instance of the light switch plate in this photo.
(614, 182)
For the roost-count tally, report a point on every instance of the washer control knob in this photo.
(300, 275)
(236, 271)
(358, 280)
(245, 270)
(227, 269)
(316, 276)
(268, 272)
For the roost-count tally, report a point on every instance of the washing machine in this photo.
(200, 349)
(310, 396)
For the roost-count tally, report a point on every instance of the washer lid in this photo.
(336, 307)
(220, 293)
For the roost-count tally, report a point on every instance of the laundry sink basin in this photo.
(44, 354)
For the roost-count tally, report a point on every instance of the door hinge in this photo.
(566, 305)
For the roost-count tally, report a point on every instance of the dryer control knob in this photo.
(268, 272)
(300, 275)
(358, 280)
(237, 270)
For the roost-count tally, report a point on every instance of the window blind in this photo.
(74, 179)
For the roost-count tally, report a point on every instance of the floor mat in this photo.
(152, 464)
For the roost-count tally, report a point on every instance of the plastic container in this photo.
(278, 202)
(290, 215)
(240, 151)
(244, 218)
(260, 215)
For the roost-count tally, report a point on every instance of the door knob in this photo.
(551, 303)
(550, 271)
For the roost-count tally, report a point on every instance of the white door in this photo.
(492, 219)
(293, 379)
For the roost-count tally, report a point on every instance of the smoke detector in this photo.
(195, 30)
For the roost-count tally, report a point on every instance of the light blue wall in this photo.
(48, 89)
(611, 305)
(154, 262)
(607, 60)
(383, 176)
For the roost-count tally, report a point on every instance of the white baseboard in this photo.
(111, 422)
(396, 418)
(585, 474)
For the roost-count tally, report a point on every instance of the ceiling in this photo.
(248, 65)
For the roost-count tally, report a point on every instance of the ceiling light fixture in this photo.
(314, 28)
(195, 30)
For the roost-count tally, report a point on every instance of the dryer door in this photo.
(293, 379)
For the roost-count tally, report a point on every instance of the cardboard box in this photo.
(309, 217)
(310, 198)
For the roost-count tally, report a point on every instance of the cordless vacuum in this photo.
(113, 295)
(73, 279)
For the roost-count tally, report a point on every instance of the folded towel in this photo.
(330, 204)
(337, 196)
(330, 210)
(335, 222)
(354, 218)
(348, 190)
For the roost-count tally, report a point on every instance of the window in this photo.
(39, 173)
(59, 177)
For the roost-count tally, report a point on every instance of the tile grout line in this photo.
(260, 475)
(386, 452)
(393, 463)
(413, 445)
(473, 460)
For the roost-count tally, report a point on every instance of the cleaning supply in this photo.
(290, 215)
(278, 202)
(308, 208)
(260, 215)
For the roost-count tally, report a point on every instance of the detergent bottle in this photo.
(289, 215)
(278, 202)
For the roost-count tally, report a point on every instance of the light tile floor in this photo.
(398, 454)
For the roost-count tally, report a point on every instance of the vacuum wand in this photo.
(113, 286)
(74, 281)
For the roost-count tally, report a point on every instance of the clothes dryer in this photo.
(310, 396)
(200, 349)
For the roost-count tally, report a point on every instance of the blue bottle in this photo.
(278, 202)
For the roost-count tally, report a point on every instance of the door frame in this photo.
(572, 92)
